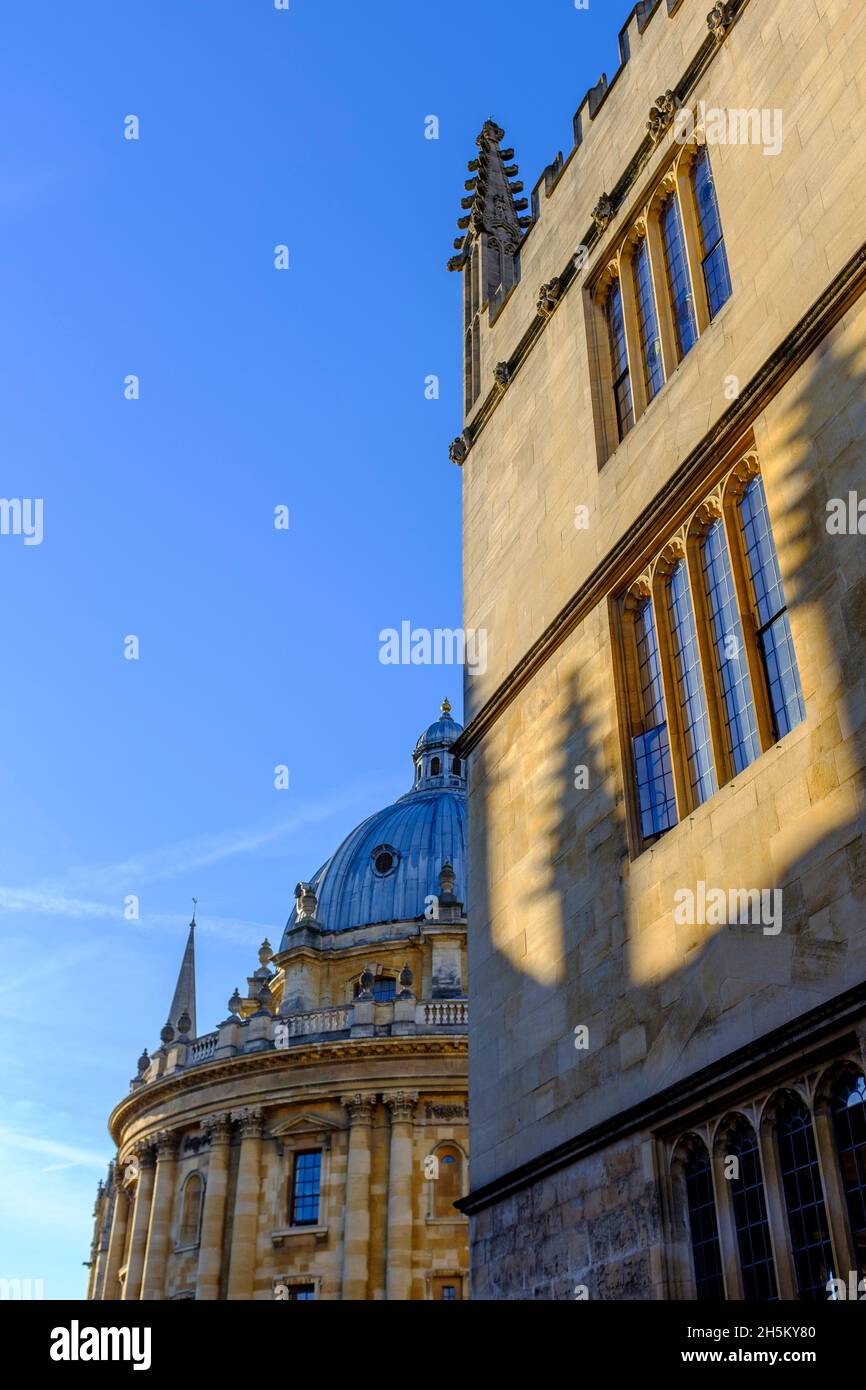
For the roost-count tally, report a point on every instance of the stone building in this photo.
(313, 1145)
(663, 461)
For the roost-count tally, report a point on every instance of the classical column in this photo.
(242, 1264)
(156, 1254)
(356, 1230)
(117, 1239)
(140, 1221)
(398, 1282)
(213, 1217)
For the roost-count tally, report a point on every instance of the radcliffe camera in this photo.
(434, 575)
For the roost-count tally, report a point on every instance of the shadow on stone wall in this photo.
(593, 1224)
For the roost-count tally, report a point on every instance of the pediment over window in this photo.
(305, 1124)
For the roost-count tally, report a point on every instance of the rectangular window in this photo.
(619, 361)
(679, 284)
(648, 323)
(714, 259)
(774, 630)
(306, 1178)
(302, 1293)
(652, 757)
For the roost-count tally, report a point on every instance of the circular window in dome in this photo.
(385, 860)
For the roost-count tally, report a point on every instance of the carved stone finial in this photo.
(602, 213)
(447, 880)
(549, 296)
(366, 983)
(143, 1063)
(406, 978)
(502, 374)
(720, 19)
(184, 1024)
(167, 1034)
(307, 902)
(491, 134)
(459, 450)
(662, 113)
(266, 952)
(235, 1004)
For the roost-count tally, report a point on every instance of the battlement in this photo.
(631, 42)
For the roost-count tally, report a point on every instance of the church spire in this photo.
(184, 994)
(491, 209)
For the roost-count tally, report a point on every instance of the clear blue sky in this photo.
(258, 388)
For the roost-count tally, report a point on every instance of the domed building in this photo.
(312, 1145)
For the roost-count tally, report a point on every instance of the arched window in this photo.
(191, 1208)
(775, 642)
(750, 1214)
(448, 1187)
(741, 730)
(384, 988)
(703, 1227)
(455, 767)
(622, 396)
(804, 1199)
(848, 1109)
(435, 767)
(690, 686)
(714, 259)
(679, 284)
(647, 321)
(651, 747)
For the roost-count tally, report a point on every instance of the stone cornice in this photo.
(691, 476)
(155, 1095)
(595, 233)
(812, 1039)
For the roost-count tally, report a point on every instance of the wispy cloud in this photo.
(98, 892)
(71, 1156)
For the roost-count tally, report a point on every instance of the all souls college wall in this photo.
(664, 404)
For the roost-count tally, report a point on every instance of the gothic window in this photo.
(305, 1189)
(655, 787)
(619, 361)
(729, 652)
(690, 686)
(804, 1200)
(714, 260)
(707, 672)
(191, 1209)
(848, 1110)
(648, 323)
(679, 283)
(435, 767)
(771, 614)
(750, 1216)
(703, 1227)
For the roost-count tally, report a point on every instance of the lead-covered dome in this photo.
(388, 868)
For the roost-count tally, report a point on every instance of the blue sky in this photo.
(258, 388)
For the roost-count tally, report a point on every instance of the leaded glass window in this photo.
(804, 1200)
(619, 361)
(750, 1219)
(774, 630)
(729, 650)
(690, 686)
(848, 1108)
(703, 1226)
(652, 757)
(647, 320)
(679, 284)
(714, 259)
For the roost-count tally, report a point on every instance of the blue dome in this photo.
(389, 866)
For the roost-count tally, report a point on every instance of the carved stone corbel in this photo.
(459, 450)
(549, 296)
(602, 213)
(720, 19)
(661, 114)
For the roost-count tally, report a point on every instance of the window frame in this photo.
(294, 1196)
